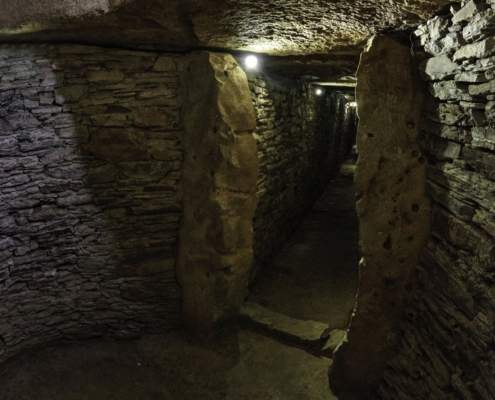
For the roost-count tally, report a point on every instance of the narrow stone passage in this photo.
(315, 276)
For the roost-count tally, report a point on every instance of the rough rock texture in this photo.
(275, 26)
(447, 348)
(293, 135)
(392, 208)
(292, 26)
(90, 161)
(220, 172)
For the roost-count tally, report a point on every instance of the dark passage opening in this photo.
(314, 275)
(303, 293)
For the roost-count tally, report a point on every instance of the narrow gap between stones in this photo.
(304, 294)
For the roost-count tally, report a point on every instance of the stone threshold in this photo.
(312, 336)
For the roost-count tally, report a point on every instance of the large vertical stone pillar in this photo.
(393, 211)
(219, 192)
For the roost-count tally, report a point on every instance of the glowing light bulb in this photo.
(352, 104)
(251, 62)
(319, 91)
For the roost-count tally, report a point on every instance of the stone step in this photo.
(312, 336)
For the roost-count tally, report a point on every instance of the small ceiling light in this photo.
(251, 62)
(319, 91)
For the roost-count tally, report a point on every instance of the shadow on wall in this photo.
(90, 153)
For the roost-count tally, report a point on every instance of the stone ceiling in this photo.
(276, 27)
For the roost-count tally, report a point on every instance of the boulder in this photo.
(470, 9)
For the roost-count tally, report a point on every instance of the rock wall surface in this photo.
(293, 135)
(280, 27)
(90, 181)
(220, 171)
(447, 348)
(392, 208)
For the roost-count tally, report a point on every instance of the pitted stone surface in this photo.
(90, 161)
(392, 208)
(276, 27)
(220, 172)
(446, 349)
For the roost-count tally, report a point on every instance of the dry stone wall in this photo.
(90, 173)
(447, 348)
(293, 137)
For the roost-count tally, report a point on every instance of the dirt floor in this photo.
(314, 277)
(247, 366)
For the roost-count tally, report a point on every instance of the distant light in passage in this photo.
(251, 62)
(352, 104)
(319, 91)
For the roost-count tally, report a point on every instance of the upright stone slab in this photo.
(392, 208)
(220, 173)
(446, 349)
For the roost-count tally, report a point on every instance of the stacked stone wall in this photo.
(90, 182)
(447, 348)
(293, 138)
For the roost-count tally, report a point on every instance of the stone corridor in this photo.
(315, 275)
(312, 281)
(178, 219)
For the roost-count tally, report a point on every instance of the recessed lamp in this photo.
(319, 91)
(251, 62)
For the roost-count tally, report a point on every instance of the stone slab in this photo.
(304, 332)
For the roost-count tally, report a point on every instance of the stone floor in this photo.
(313, 278)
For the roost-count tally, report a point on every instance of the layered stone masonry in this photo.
(447, 349)
(90, 178)
(293, 137)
